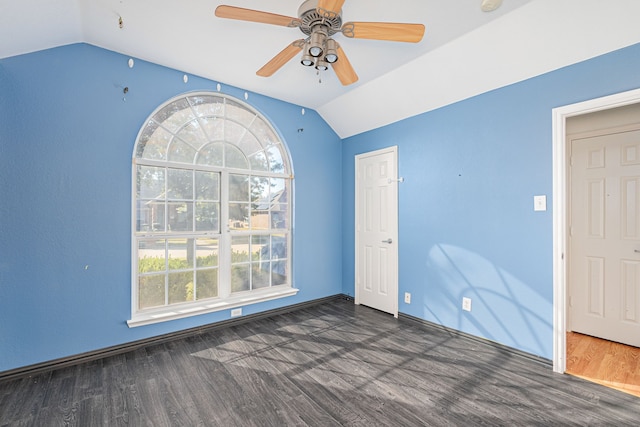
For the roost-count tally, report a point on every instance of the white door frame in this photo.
(392, 149)
(560, 195)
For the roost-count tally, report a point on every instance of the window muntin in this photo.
(212, 217)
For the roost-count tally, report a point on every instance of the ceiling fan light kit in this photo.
(319, 20)
(307, 60)
(318, 40)
(322, 65)
(332, 51)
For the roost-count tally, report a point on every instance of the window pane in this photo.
(207, 186)
(179, 184)
(206, 105)
(261, 264)
(279, 218)
(279, 189)
(239, 113)
(181, 287)
(180, 254)
(234, 158)
(213, 128)
(207, 216)
(278, 246)
(259, 220)
(193, 134)
(151, 291)
(180, 216)
(249, 144)
(174, 115)
(239, 249)
(260, 190)
(259, 162)
(279, 203)
(239, 188)
(260, 248)
(263, 132)
(206, 252)
(240, 277)
(153, 142)
(207, 283)
(279, 273)
(260, 276)
(238, 216)
(150, 198)
(261, 203)
(150, 182)
(181, 152)
(150, 216)
(211, 155)
(233, 132)
(151, 255)
(276, 163)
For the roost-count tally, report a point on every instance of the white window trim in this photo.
(181, 311)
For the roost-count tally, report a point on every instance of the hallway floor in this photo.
(604, 362)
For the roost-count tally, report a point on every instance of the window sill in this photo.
(187, 310)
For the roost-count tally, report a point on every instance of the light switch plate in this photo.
(539, 203)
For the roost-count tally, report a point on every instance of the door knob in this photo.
(388, 241)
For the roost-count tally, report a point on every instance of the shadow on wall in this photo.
(504, 308)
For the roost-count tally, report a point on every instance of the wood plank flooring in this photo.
(608, 363)
(333, 364)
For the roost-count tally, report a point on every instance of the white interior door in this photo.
(377, 230)
(604, 237)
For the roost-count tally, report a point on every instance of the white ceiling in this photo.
(464, 52)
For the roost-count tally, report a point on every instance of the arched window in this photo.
(211, 210)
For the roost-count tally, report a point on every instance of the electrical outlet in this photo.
(466, 304)
(236, 312)
(407, 298)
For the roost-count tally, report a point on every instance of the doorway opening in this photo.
(560, 210)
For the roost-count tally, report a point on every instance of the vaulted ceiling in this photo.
(464, 52)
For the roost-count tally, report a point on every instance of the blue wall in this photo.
(466, 220)
(467, 225)
(66, 141)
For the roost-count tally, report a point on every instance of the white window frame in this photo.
(225, 298)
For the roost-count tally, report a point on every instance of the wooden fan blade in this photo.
(393, 31)
(329, 9)
(343, 69)
(280, 59)
(241, 14)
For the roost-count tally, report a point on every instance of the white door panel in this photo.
(377, 230)
(604, 243)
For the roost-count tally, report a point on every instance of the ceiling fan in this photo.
(319, 20)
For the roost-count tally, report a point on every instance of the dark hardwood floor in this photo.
(327, 365)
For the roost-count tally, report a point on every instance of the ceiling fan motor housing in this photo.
(310, 17)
